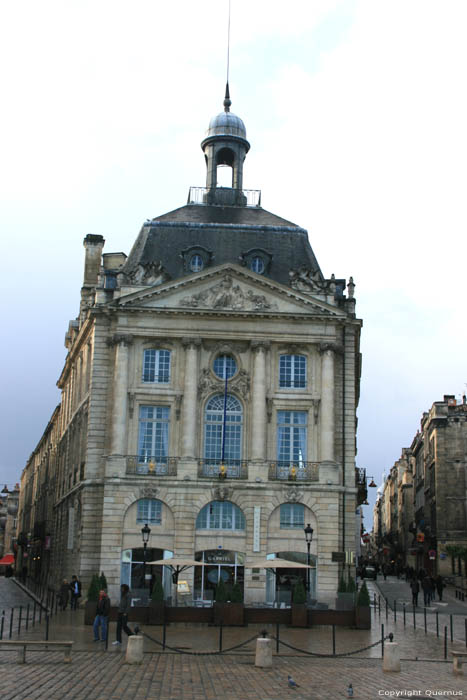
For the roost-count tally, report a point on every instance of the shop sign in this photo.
(338, 556)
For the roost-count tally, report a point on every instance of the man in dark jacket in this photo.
(75, 588)
(102, 616)
(415, 588)
(123, 609)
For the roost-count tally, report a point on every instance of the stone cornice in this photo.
(120, 338)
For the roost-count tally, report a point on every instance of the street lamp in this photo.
(145, 532)
(308, 530)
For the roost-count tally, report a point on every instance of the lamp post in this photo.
(308, 530)
(145, 532)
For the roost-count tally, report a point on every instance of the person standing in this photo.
(75, 588)
(63, 594)
(415, 588)
(123, 610)
(102, 616)
(439, 586)
(426, 587)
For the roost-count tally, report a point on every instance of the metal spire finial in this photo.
(227, 100)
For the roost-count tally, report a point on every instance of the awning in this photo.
(7, 559)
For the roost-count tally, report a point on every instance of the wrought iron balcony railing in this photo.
(151, 466)
(228, 469)
(290, 471)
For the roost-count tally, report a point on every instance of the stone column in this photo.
(327, 403)
(258, 402)
(120, 394)
(190, 397)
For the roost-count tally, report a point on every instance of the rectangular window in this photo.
(292, 516)
(153, 441)
(156, 366)
(292, 372)
(149, 511)
(291, 437)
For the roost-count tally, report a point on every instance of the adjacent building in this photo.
(210, 391)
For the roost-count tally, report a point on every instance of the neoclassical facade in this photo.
(210, 390)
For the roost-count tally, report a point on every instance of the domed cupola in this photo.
(225, 144)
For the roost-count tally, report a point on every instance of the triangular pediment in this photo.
(226, 288)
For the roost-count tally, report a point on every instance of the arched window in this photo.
(149, 511)
(257, 264)
(196, 263)
(292, 372)
(156, 366)
(220, 515)
(214, 429)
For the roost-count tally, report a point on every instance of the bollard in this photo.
(19, 619)
(414, 623)
(450, 625)
(277, 637)
(403, 610)
(379, 605)
(445, 642)
(11, 622)
(1, 627)
(134, 650)
(437, 624)
(386, 609)
(395, 611)
(392, 657)
(334, 640)
(382, 641)
(164, 631)
(424, 617)
(34, 614)
(220, 636)
(27, 616)
(465, 623)
(263, 657)
(47, 627)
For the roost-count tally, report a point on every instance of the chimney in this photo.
(92, 259)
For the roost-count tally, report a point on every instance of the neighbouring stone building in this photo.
(421, 514)
(210, 390)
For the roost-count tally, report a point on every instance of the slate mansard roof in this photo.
(227, 233)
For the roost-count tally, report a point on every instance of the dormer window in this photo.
(257, 264)
(196, 263)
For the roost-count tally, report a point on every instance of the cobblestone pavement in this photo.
(100, 676)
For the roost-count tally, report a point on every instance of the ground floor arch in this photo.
(280, 582)
(221, 564)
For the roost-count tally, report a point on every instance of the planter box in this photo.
(345, 601)
(229, 613)
(363, 617)
(299, 615)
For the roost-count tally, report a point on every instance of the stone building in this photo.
(424, 501)
(209, 390)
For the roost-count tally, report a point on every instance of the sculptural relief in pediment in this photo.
(228, 295)
(305, 280)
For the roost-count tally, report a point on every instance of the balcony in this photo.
(215, 469)
(287, 471)
(151, 466)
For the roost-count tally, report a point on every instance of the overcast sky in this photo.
(356, 112)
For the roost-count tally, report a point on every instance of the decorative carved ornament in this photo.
(208, 383)
(178, 405)
(222, 493)
(330, 347)
(305, 280)
(150, 273)
(148, 492)
(229, 296)
(293, 494)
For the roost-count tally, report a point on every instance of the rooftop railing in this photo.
(224, 196)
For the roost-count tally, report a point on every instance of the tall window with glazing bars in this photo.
(156, 366)
(292, 372)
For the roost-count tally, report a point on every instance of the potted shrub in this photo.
(345, 599)
(92, 598)
(156, 608)
(299, 609)
(363, 610)
(220, 600)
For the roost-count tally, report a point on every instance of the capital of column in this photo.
(120, 339)
(191, 343)
(330, 347)
(260, 345)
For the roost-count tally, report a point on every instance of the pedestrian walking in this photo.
(415, 588)
(426, 587)
(75, 588)
(439, 586)
(63, 594)
(123, 609)
(102, 616)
